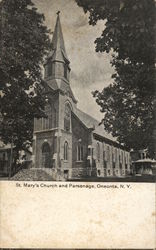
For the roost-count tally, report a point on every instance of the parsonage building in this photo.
(70, 143)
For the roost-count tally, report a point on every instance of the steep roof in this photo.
(91, 122)
(58, 48)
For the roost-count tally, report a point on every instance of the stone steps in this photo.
(34, 174)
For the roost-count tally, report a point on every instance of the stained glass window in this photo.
(79, 152)
(66, 151)
(98, 151)
(67, 117)
(47, 122)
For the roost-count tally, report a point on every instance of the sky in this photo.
(89, 70)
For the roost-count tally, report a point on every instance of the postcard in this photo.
(77, 148)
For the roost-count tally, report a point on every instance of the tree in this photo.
(129, 35)
(24, 43)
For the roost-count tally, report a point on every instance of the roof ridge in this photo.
(88, 115)
(89, 121)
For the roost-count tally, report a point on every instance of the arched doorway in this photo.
(46, 159)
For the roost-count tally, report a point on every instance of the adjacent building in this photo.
(8, 156)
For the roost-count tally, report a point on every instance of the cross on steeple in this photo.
(58, 41)
(57, 65)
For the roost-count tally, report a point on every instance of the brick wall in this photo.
(112, 161)
(54, 104)
(80, 135)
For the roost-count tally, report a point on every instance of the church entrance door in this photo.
(46, 156)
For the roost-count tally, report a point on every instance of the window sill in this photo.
(79, 161)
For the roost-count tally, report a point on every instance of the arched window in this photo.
(104, 155)
(104, 159)
(120, 159)
(98, 151)
(47, 122)
(121, 156)
(67, 117)
(116, 157)
(66, 151)
(79, 152)
(113, 155)
(46, 155)
(54, 120)
(49, 71)
(108, 153)
(65, 70)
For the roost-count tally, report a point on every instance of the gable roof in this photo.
(91, 122)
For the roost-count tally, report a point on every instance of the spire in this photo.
(57, 69)
(58, 42)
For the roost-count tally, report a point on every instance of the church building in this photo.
(70, 144)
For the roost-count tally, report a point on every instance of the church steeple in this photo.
(58, 42)
(57, 63)
(57, 69)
